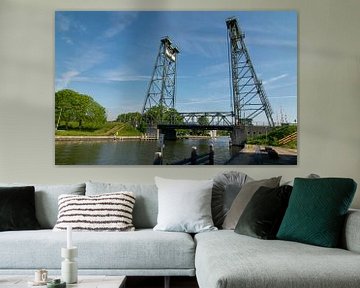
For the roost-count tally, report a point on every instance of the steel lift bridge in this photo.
(249, 99)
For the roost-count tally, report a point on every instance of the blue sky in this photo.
(110, 55)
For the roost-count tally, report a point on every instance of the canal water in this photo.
(136, 152)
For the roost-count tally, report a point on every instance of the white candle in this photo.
(69, 239)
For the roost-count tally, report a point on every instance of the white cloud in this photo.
(274, 79)
(86, 58)
(215, 70)
(67, 40)
(121, 76)
(208, 46)
(271, 42)
(283, 97)
(63, 22)
(119, 22)
(65, 79)
(66, 23)
(75, 66)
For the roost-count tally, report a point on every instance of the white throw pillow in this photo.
(184, 205)
(105, 212)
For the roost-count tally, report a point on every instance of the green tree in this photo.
(203, 120)
(160, 114)
(135, 119)
(132, 118)
(71, 106)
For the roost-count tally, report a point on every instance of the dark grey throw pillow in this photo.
(17, 208)
(263, 214)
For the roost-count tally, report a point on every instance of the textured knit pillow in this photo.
(184, 205)
(263, 215)
(17, 208)
(105, 212)
(226, 187)
(316, 211)
(243, 198)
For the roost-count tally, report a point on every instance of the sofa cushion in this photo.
(142, 250)
(225, 259)
(46, 200)
(263, 215)
(17, 208)
(105, 212)
(350, 239)
(317, 209)
(184, 205)
(226, 187)
(146, 205)
(243, 198)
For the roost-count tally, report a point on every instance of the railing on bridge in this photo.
(212, 118)
(194, 159)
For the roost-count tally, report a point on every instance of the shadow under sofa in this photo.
(220, 259)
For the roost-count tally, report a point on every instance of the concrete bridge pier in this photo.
(169, 134)
(238, 136)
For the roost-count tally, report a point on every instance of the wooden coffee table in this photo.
(84, 281)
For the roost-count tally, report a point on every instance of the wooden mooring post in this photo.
(195, 159)
(158, 159)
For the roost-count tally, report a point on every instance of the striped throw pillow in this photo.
(105, 212)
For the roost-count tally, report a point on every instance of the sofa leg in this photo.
(167, 282)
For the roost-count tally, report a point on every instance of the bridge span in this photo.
(238, 134)
(195, 127)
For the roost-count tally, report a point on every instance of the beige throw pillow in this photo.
(243, 198)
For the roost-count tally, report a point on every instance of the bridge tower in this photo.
(161, 90)
(249, 98)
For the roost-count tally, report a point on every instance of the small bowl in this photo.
(56, 283)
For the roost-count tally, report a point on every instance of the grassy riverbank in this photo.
(110, 129)
(272, 138)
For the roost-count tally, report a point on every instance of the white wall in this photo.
(329, 91)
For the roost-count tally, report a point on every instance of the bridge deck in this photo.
(195, 126)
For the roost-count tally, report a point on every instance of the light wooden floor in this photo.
(158, 282)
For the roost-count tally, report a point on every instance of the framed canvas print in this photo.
(175, 88)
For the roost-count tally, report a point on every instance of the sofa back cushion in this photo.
(46, 200)
(146, 204)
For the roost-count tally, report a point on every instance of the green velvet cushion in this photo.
(316, 211)
(263, 214)
(17, 208)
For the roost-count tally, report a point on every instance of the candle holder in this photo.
(69, 271)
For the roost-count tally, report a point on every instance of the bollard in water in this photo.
(211, 154)
(158, 159)
(193, 156)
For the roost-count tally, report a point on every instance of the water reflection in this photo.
(135, 152)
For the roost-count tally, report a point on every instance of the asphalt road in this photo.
(256, 155)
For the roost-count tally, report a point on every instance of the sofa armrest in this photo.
(351, 234)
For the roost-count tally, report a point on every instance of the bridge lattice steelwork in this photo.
(161, 90)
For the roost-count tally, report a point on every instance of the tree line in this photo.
(79, 111)
(74, 110)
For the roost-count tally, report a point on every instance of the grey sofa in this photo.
(218, 259)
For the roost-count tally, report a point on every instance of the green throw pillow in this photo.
(316, 211)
